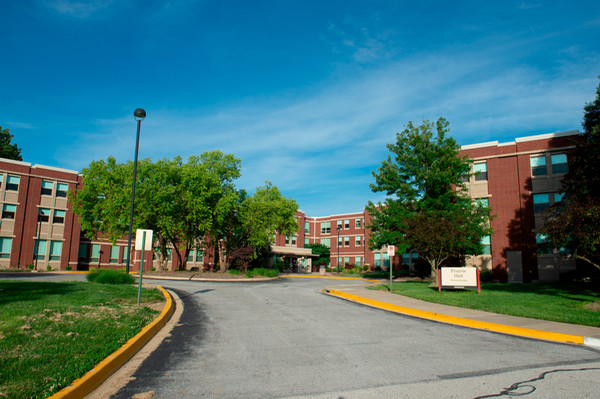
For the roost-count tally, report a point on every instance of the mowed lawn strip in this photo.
(567, 303)
(53, 333)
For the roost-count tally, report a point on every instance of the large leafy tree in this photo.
(8, 150)
(427, 208)
(573, 223)
(265, 214)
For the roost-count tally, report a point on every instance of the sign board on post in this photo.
(139, 239)
(459, 278)
(391, 249)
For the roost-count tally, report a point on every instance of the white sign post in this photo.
(143, 242)
(391, 250)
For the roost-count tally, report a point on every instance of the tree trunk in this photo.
(223, 265)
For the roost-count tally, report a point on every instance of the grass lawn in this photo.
(53, 333)
(567, 303)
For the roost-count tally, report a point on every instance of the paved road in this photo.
(285, 339)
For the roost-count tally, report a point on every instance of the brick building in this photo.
(518, 180)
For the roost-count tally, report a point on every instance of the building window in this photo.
(95, 253)
(5, 246)
(358, 241)
(377, 259)
(83, 251)
(8, 211)
(347, 241)
(346, 260)
(125, 253)
(542, 245)
(294, 240)
(306, 241)
(559, 163)
(12, 183)
(347, 224)
(43, 215)
(339, 262)
(339, 224)
(558, 197)
(538, 165)
(61, 190)
(59, 216)
(487, 246)
(190, 257)
(55, 250)
(325, 227)
(340, 241)
(287, 240)
(326, 242)
(41, 249)
(114, 254)
(306, 227)
(47, 187)
(199, 255)
(386, 260)
(541, 202)
(480, 170)
(357, 223)
(357, 261)
(483, 202)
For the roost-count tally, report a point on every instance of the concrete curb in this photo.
(219, 280)
(331, 277)
(481, 325)
(93, 378)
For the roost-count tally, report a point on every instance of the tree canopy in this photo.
(8, 150)
(189, 205)
(572, 223)
(427, 208)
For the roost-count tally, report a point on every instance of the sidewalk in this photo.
(520, 326)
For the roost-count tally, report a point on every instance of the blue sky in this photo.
(307, 93)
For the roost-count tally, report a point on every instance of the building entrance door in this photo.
(514, 266)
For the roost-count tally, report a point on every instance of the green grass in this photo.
(53, 333)
(555, 302)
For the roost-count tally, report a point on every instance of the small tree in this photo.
(8, 150)
(572, 223)
(322, 250)
(429, 209)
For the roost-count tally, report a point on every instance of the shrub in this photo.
(109, 276)
(68, 267)
(153, 269)
(486, 276)
(261, 271)
(48, 267)
(234, 272)
(30, 267)
(365, 268)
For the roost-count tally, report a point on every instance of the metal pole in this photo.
(137, 144)
(141, 267)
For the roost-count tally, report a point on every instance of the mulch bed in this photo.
(194, 274)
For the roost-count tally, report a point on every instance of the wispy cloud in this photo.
(327, 143)
(76, 8)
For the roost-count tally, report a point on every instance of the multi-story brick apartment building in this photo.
(518, 180)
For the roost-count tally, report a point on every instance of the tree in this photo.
(322, 250)
(429, 210)
(572, 224)
(8, 150)
(265, 214)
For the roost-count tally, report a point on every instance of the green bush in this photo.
(234, 272)
(30, 267)
(68, 268)
(109, 276)
(261, 271)
(485, 276)
(48, 267)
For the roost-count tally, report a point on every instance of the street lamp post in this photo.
(139, 115)
(338, 248)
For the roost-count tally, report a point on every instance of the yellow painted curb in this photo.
(332, 277)
(482, 325)
(93, 378)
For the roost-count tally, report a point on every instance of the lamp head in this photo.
(139, 114)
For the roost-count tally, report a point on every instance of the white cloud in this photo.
(76, 8)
